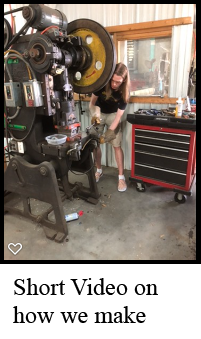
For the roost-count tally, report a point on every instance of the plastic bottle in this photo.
(187, 105)
(72, 216)
(161, 88)
(178, 112)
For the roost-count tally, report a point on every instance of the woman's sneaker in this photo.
(98, 176)
(122, 187)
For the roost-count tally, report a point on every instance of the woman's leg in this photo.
(119, 156)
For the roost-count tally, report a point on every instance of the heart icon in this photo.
(15, 245)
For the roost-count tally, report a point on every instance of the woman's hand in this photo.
(95, 120)
(107, 136)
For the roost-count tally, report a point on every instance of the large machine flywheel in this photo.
(7, 34)
(103, 62)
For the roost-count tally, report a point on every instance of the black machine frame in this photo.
(41, 71)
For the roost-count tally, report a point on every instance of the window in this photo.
(148, 61)
(147, 50)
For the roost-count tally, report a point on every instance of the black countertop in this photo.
(162, 121)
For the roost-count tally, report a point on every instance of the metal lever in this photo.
(89, 127)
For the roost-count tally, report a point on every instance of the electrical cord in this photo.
(6, 131)
(83, 172)
(14, 51)
(83, 147)
(82, 150)
(22, 139)
(15, 115)
(46, 29)
(21, 58)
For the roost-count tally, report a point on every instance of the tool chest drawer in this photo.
(161, 150)
(178, 141)
(162, 175)
(161, 161)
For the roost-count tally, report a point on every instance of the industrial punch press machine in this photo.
(45, 139)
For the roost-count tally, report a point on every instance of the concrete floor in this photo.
(122, 226)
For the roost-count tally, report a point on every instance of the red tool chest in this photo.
(163, 156)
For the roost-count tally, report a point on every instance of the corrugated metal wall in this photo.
(119, 14)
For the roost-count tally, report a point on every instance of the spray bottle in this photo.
(178, 112)
(187, 105)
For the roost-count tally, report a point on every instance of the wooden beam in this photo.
(142, 35)
(147, 30)
(83, 97)
(136, 99)
(115, 41)
(153, 100)
(149, 24)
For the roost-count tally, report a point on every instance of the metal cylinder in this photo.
(43, 17)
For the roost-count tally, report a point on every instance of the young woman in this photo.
(107, 107)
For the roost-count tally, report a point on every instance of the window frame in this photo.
(145, 30)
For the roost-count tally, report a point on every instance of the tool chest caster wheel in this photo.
(140, 187)
(180, 198)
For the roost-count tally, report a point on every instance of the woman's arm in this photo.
(94, 110)
(117, 119)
